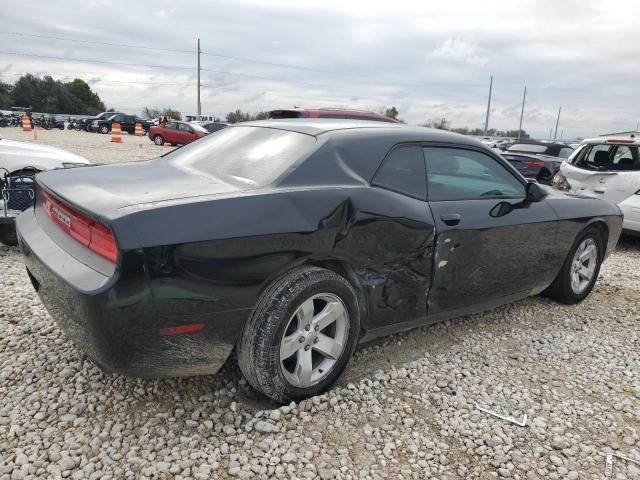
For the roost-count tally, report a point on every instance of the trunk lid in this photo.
(105, 189)
(615, 186)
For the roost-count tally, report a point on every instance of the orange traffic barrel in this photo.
(116, 133)
(26, 123)
(138, 129)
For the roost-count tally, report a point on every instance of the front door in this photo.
(491, 243)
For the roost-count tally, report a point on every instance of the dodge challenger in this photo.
(293, 240)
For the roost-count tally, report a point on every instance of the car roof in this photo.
(605, 140)
(364, 128)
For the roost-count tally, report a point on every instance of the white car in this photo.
(19, 161)
(489, 142)
(18, 157)
(606, 168)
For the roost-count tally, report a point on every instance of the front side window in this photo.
(403, 172)
(458, 174)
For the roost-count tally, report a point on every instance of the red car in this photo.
(330, 113)
(176, 133)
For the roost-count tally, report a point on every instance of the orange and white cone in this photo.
(116, 133)
(138, 131)
(26, 123)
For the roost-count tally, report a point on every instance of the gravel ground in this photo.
(92, 146)
(406, 407)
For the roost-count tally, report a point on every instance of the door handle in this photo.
(451, 219)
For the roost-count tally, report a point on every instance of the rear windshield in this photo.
(608, 157)
(527, 147)
(249, 155)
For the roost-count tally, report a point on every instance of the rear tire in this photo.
(580, 269)
(301, 335)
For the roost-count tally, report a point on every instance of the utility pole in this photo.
(199, 105)
(522, 112)
(555, 134)
(486, 121)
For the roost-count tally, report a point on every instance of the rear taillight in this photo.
(97, 238)
(560, 183)
(533, 163)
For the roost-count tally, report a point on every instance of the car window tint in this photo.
(243, 154)
(457, 174)
(403, 172)
(565, 152)
(183, 128)
(170, 126)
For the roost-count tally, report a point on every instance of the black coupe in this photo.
(538, 160)
(291, 241)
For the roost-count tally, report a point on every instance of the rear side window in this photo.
(248, 155)
(458, 174)
(403, 172)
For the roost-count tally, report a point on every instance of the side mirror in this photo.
(501, 209)
(535, 193)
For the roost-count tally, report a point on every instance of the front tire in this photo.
(301, 335)
(580, 269)
(158, 140)
(104, 129)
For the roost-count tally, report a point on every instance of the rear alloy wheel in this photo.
(158, 140)
(301, 335)
(580, 269)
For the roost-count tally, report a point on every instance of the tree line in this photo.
(50, 96)
(76, 98)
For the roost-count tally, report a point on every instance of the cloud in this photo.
(434, 62)
(459, 50)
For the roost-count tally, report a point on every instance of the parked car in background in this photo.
(214, 126)
(504, 143)
(489, 142)
(537, 160)
(176, 133)
(85, 123)
(127, 124)
(19, 162)
(330, 113)
(291, 241)
(606, 168)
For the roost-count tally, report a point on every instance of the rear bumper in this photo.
(114, 319)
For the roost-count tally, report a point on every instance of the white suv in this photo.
(606, 168)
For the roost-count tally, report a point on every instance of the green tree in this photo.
(439, 123)
(165, 112)
(392, 112)
(6, 97)
(240, 116)
(89, 100)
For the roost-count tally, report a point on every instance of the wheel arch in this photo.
(603, 228)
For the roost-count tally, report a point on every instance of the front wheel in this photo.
(580, 269)
(301, 335)
(104, 129)
(158, 140)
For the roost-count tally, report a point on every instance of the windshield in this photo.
(527, 147)
(251, 155)
(198, 128)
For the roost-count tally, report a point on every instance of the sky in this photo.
(430, 59)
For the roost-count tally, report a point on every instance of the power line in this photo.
(246, 59)
(96, 43)
(96, 61)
